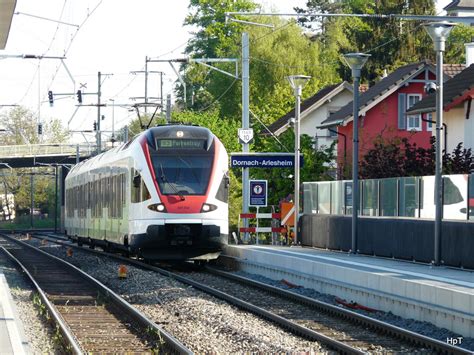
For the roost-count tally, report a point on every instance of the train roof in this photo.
(152, 135)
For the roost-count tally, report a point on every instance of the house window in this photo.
(429, 124)
(413, 121)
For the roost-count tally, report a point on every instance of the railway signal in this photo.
(79, 96)
(95, 126)
(50, 98)
(40, 128)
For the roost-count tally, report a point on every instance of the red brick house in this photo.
(383, 109)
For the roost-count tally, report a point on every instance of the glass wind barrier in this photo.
(412, 197)
(324, 197)
(470, 198)
(388, 197)
(408, 197)
(370, 197)
(310, 198)
(337, 197)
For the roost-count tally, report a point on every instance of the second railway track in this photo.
(91, 317)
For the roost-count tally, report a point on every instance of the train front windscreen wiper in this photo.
(170, 184)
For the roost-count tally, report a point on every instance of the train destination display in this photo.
(180, 143)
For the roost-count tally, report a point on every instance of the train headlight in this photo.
(157, 207)
(206, 207)
(160, 207)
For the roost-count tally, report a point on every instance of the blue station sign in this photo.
(258, 193)
(263, 160)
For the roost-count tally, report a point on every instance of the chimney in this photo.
(469, 53)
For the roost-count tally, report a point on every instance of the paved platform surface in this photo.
(12, 340)
(440, 295)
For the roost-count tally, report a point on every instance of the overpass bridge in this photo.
(55, 155)
(24, 156)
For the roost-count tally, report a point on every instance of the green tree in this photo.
(215, 38)
(391, 42)
(19, 127)
(274, 54)
(455, 51)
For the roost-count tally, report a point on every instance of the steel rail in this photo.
(388, 328)
(66, 332)
(282, 322)
(171, 344)
(410, 336)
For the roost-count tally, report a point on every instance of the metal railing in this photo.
(35, 150)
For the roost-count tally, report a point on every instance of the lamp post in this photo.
(355, 61)
(297, 82)
(438, 32)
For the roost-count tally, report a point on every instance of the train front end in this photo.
(186, 175)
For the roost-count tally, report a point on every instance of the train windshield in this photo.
(182, 175)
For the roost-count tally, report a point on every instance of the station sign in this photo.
(263, 160)
(258, 193)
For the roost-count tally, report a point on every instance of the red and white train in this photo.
(162, 196)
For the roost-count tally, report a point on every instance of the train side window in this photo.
(223, 191)
(93, 199)
(139, 191)
(145, 193)
(135, 186)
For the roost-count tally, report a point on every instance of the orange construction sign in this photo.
(287, 214)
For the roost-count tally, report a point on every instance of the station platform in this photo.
(12, 339)
(439, 295)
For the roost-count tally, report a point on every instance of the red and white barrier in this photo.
(258, 229)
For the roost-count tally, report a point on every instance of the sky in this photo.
(110, 36)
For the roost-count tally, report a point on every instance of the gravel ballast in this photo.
(201, 322)
(423, 328)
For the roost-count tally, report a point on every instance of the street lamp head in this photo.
(356, 61)
(439, 32)
(298, 81)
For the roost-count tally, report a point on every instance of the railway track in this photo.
(353, 329)
(340, 329)
(90, 317)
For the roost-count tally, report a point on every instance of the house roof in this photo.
(453, 69)
(320, 97)
(460, 5)
(453, 90)
(376, 92)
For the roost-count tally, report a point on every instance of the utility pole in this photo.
(40, 129)
(245, 122)
(113, 122)
(98, 135)
(32, 199)
(168, 108)
(161, 92)
(99, 93)
(56, 199)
